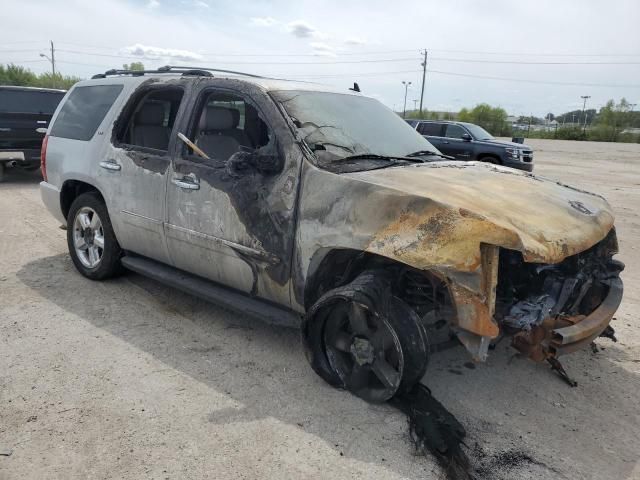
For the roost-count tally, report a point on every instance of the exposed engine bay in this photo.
(547, 309)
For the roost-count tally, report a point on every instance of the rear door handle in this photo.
(110, 165)
(444, 141)
(187, 182)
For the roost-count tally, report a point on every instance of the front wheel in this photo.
(2, 169)
(92, 243)
(361, 338)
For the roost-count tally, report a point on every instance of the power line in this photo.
(337, 62)
(468, 75)
(518, 62)
(522, 80)
(341, 75)
(531, 54)
(159, 57)
(363, 53)
(21, 50)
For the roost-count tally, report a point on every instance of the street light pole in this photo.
(406, 87)
(52, 59)
(584, 105)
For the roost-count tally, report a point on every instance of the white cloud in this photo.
(153, 4)
(200, 4)
(302, 29)
(323, 49)
(355, 41)
(144, 51)
(263, 21)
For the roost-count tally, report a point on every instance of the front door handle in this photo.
(187, 182)
(444, 141)
(110, 165)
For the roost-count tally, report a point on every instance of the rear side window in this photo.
(24, 101)
(84, 110)
(433, 129)
(149, 123)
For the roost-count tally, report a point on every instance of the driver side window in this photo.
(454, 131)
(225, 124)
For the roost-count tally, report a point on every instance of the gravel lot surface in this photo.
(129, 379)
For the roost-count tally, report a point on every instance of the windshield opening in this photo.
(336, 126)
(478, 132)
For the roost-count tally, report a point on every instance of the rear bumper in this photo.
(23, 158)
(51, 199)
(579, 335)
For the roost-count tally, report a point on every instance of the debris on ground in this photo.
(435, 430)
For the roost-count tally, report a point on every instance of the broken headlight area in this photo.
(554, 309)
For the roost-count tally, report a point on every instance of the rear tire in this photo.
(93, 246)
(361, 338)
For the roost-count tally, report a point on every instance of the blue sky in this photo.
(471, 45)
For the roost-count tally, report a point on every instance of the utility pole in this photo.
(424, 74)
(406, 87)
(415, 103)
(584, 105)
(529, 129)
(52, 59)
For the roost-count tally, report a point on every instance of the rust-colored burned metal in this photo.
(451, 220)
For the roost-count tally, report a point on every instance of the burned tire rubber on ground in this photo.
(93, 246)
(361, 338)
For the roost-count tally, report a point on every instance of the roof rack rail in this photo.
(202, 71)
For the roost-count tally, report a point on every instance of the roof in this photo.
(172, 72)
(31, 89)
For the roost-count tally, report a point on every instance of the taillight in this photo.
(43, 157)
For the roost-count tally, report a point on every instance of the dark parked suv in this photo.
(25, 113)
(466, 141)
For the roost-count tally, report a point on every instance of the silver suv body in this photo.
(322, 208)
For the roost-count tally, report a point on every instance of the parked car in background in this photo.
(25, 113)
(466, 141)
(320, 208)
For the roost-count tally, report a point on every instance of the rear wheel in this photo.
(92, 243)
(361, 338)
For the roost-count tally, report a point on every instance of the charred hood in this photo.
(471, 203)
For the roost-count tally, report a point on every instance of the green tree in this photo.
(612, 119)
(17, 75)
(135, 66)
(492, 119)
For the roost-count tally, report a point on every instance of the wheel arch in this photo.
(334, 267)
(72, 189)
(494, 156)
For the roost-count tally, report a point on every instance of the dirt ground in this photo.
(129, 379)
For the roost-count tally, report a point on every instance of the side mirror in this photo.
(466, 137)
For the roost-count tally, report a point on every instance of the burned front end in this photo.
(554, 309)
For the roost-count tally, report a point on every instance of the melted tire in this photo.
(370, 289)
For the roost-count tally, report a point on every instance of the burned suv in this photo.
(322, 209)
